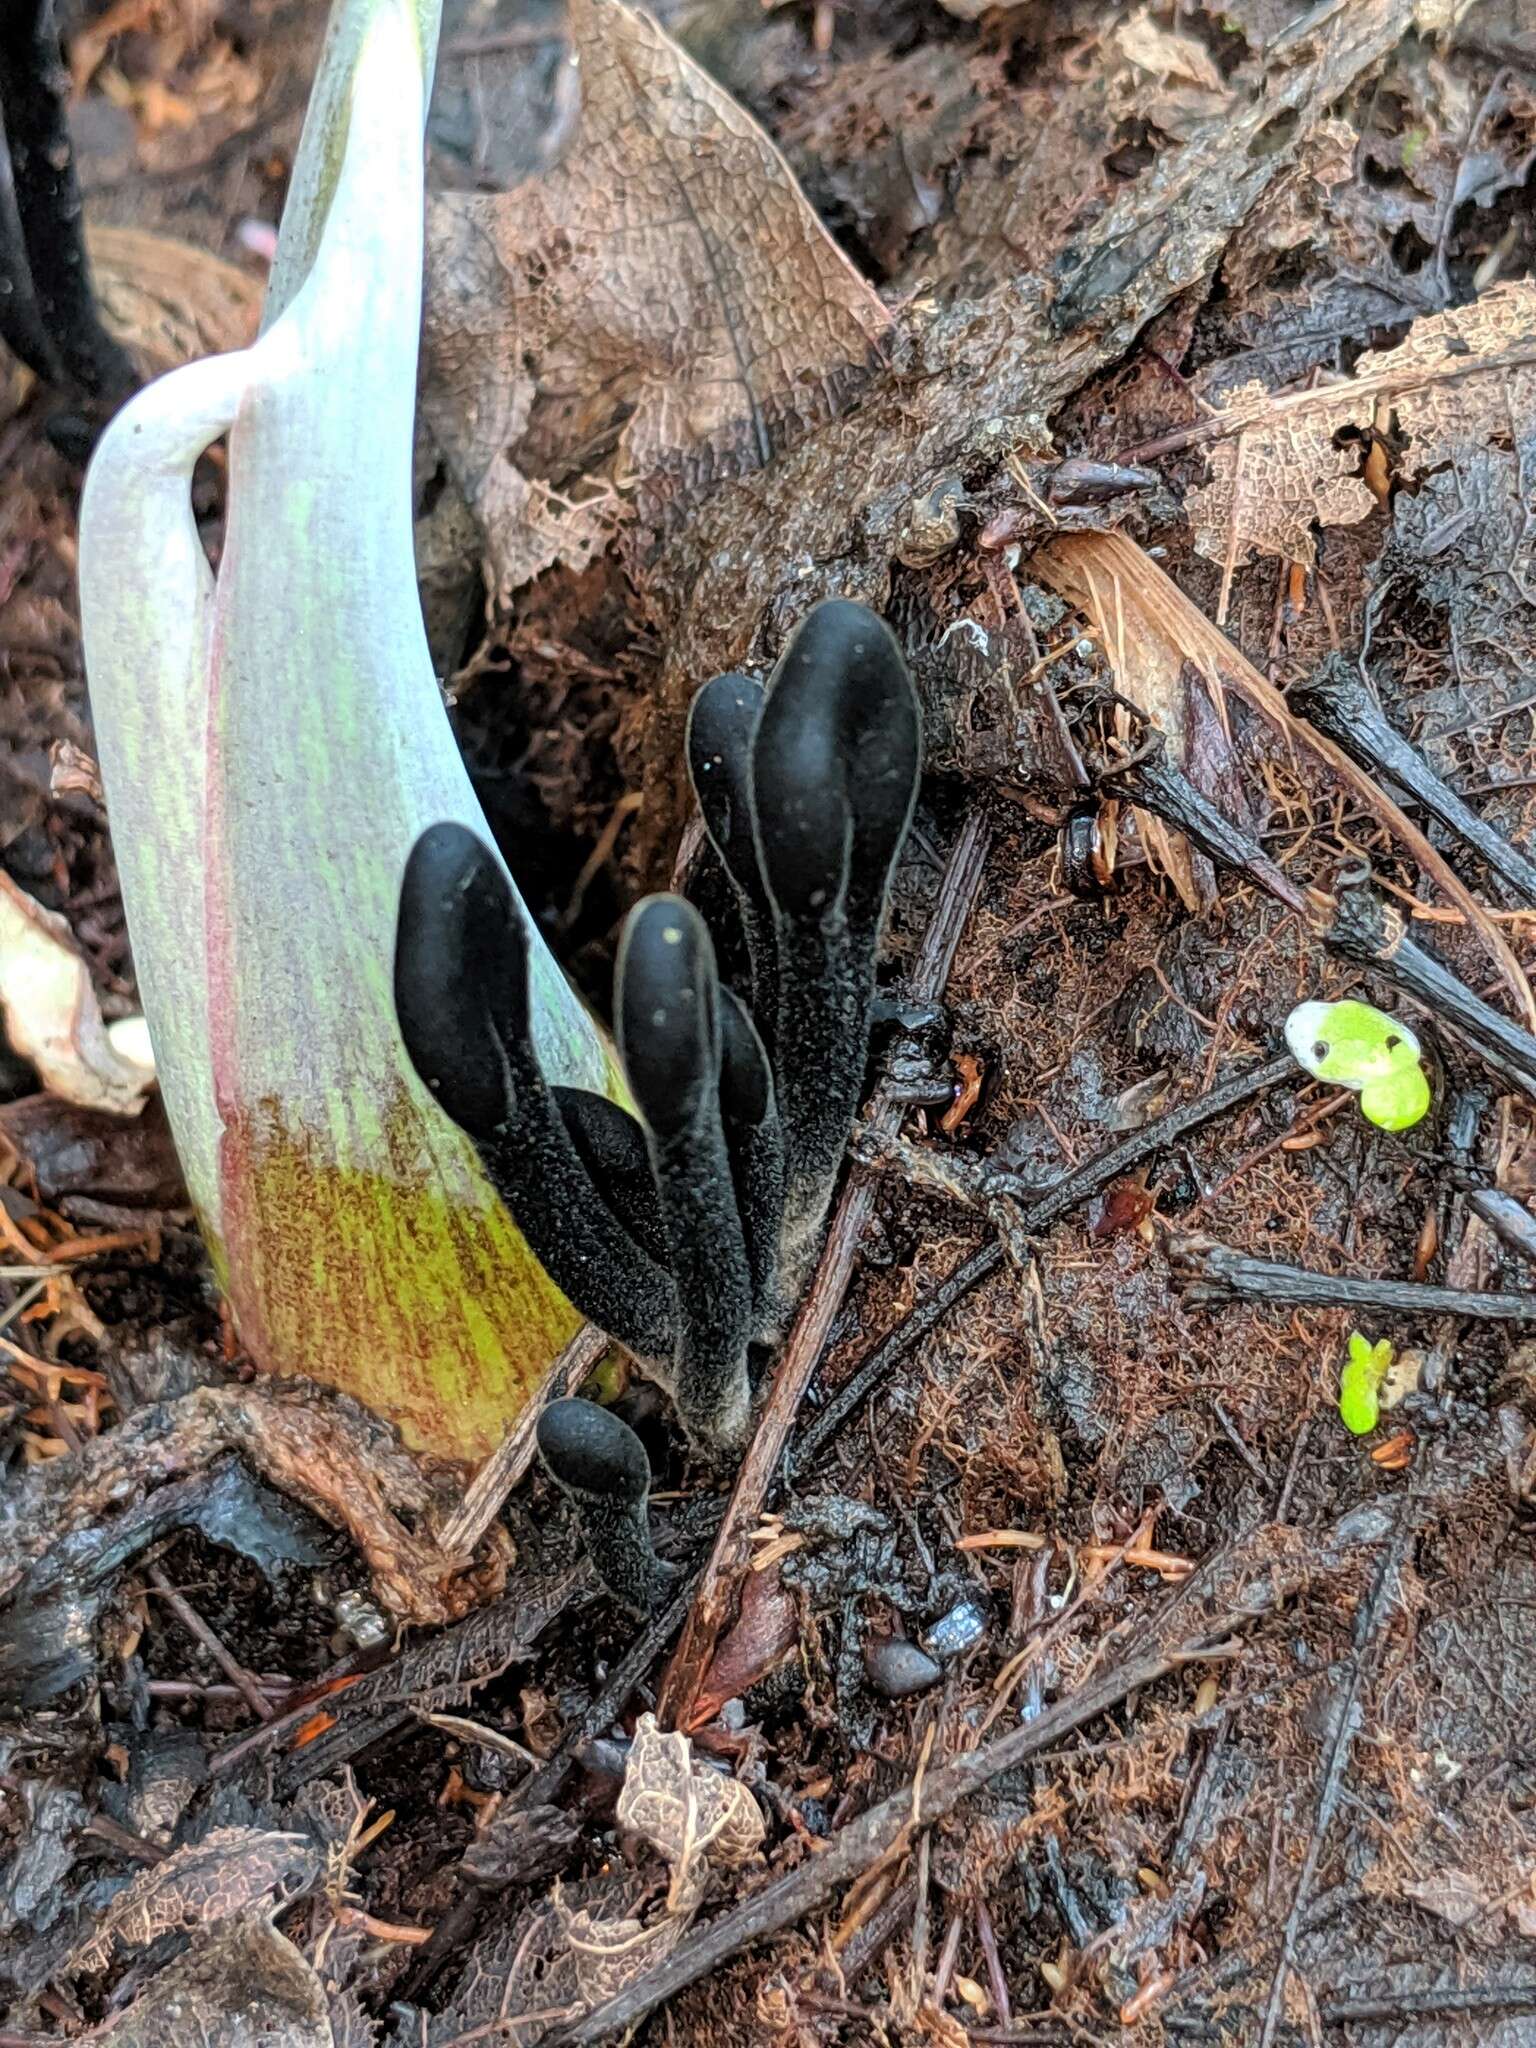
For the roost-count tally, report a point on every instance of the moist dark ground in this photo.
(1348, 1781)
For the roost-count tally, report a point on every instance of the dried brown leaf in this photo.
(1112, 579)
(661, 311)
(1458, 380)
(1454, 1896)
(227, 1872)
(1164, 53)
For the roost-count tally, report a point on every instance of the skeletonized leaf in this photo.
(53, 1019)
(243, 1985)
(229, 1870)
(663, 309)
(689, 1813)
(1456, 381)
(609, 1954)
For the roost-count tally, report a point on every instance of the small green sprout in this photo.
(1360, 1382)
(1356, 1046)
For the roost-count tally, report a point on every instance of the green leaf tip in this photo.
(1360, 1382)
(273, 742)
(1354, 1045)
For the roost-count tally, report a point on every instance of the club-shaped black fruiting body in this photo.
(461, 995)
(826, 764)
(667, 1010)
(722, 721)
(685, 1233)
(599, 1463)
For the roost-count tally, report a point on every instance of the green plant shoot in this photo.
(1360, 1382)
(272, 743)
(1356, 1046)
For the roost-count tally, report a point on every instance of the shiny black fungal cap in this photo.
(589, 1450)
(461, 997)
(668, 1002)
(721, 722)
(685, 1231)
(668, 1012)
(835, 761)
(461, 974)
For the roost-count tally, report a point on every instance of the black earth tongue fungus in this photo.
(47, 313)
(835, 761)
(613, 1149)
(599, 1463)
(721, 722)
(667, 1008)
(754, 1138)
(461, 996)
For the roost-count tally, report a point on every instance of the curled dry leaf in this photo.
(243, 1985)
(1454, 383)
(1164, 53)
(227, 1872)
(53, 1019)
(662, 310)
(341, 1463)
(689, 1813)
(608, 1954)
(1136, 605)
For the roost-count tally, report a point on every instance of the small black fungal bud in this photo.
(599, 1463)
(667, 1006)
(461, 997)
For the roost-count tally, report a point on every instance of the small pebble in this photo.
(956, 1632)
(898, 1669)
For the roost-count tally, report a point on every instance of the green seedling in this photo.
(1360, 1382)
(1356, 1046)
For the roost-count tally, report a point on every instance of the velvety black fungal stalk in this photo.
(613, 1150)
(667, 1008)
(754, 1138)
(47, 313)
(721, 723)
(835, 762)
(461, 995)
(599, 1463)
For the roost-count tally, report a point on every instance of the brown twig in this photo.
(1374, 935)
(1403, 2006)
(1230, 1588)
(455, 1931)
(1345, 1722)
(1359, 927)
(1336, 700)
(200, 1632)
(1211, 1272)
(807, 1339)
(487, 1492)
(1045, 1208)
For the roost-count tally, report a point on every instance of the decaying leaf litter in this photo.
(1087, 1678)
